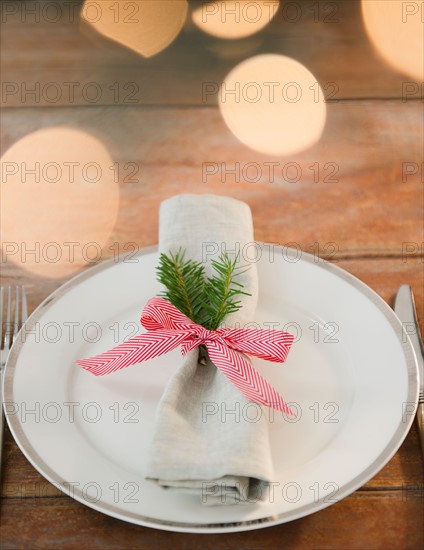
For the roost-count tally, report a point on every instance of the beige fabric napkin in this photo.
(200, 444)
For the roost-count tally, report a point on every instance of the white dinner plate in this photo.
(351, 377)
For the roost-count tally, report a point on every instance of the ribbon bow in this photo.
(168, 328)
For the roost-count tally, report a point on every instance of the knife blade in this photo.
(407, 314)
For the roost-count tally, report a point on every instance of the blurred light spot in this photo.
(145, 26)
(228, 19)
(60, 199)
(396, 29)
(273, 104)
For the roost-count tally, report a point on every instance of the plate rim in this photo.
(204, 528)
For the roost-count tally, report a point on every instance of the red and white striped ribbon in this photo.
(168, 328)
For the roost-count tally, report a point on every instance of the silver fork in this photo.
(10, 298)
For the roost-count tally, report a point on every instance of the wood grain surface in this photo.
(356, 203)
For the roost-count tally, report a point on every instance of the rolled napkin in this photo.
(203, 443)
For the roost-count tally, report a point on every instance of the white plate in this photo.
(351, 373)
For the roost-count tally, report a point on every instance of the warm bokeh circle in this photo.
(60, 199)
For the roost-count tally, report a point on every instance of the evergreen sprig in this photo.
(184, 281)
(205, 300)
(221, 291)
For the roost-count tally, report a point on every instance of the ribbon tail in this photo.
(135, 350)
(271, 345)
(246, 378)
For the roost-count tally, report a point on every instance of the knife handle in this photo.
(420, 422)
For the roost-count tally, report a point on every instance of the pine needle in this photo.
(207, 301)
(184, 281)
(221, 290)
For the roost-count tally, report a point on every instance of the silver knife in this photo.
(405, 310)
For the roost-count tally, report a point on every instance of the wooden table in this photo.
(372, 215)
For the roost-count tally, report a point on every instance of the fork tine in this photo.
(16, 297)
(16, 319)
(24, 306)
(8, 326)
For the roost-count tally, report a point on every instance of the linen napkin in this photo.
(205, 441)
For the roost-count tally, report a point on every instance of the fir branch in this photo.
(184, 281)
(205, 301)
(221, 290)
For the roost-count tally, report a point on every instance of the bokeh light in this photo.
(273, 104)
(396, 29)
(145, 26)
(232, 20)
(60, 199)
